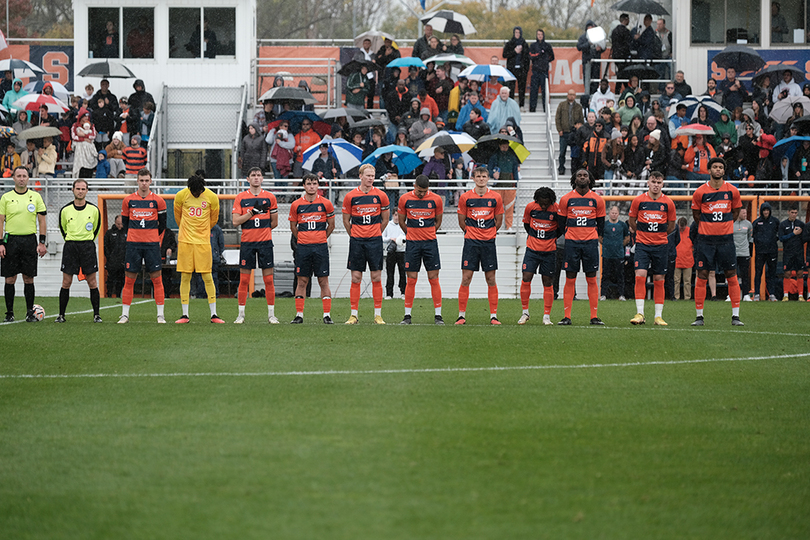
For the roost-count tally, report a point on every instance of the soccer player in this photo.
(196, 210)
(21, 210)
(790, 234)
(365, 211)
(256, 210)
(542, 223)
(312, 220)
(420, 216)
(480, 215)
(652, 218)
(584, 214)
(715, 206)
(144, 216)
(79, 222)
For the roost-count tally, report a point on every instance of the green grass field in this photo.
(256, 431)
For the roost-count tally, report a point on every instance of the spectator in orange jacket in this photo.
(684, 262)
(697, 158)
(305, 139)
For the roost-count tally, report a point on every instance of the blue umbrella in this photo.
(485, 72)
(346, 154)
(787, 147)
(403, 157)
(408, 61)
(296, 117)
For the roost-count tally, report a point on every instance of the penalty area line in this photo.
(400, 371)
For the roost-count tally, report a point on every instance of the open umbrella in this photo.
(7, 132)
(32, 102)
(376, 38)
(640, 6)
(407, 61)
(21, 68)
(356, 65)
(448, 58)
(642, 71)
(775, 71)
(38, 132)
(802, 124)
(739, 57)
(368, 123)
(454, 143)
(449, 22)
(490, 144)
(288, 93)
(485, 72)
(403, 157)
(35, 87)
(346, 154)
(351, 113)
(107, 70)
(694, 129)
(783, 109)
(787, 147)
(693, 104)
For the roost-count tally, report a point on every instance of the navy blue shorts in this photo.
(792, 261)
(148, 252)
(717, 257)
(365, 250)
(586, 251)
(312, 259)
(652, 258)
(251, 252)
(479, 252)
(417, 251)
(539, 262)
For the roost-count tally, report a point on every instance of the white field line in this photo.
(78, 312)
(399, 371)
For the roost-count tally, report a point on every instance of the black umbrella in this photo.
(739, 57)
(775, 72)
(367, 123)
(449, 22)
(351, 113)
(107, 70)
(640, 6)
(355, 65)
(802, 125)
(288, 93)
(488, 145)
(641, 71)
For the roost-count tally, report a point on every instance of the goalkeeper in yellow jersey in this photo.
(196, 210)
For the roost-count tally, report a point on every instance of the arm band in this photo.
(42, 239)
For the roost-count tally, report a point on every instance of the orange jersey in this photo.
(652, 216)
(580, 213)
(259, 228)
(479, 213)
(143, 216)
(366, 211)
(420, 215)
(311, 218)
(543, 225)
(716, 210)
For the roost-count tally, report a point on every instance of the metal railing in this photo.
(310, 69)
(156, 154)
(237, 141)
(552, 164)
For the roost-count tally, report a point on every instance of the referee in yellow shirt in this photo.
(79, 222)
(21, 210)
(196, 210)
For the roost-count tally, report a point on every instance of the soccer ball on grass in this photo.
(39, 312)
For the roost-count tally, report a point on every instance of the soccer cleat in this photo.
(756, 298)
(97, 319)
(272, 319)
(216, 320)
(547, 320)
(602, 298)
(622, 298)
(523, 319)
(660, 322)
(461, 320)
(60, 318)
(728, 299)
(123, 319)
(638, 319)
(698, 321)
(161, 319)
(566, 321)
(297, 320)
(30, 317)
(352, 320)
(735, 321)
(239, 320)
(746, 298)
(785, 298)
(182, 320)
(9, 317)
(406, 319)
(437, 319)
(596, 321)
(378, 319)
(494, 321)
(772, 298)
(327, 319)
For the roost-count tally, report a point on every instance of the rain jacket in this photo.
(12, 96)
(103, 167)
(766, 230)
(516, 62)
(722, 127)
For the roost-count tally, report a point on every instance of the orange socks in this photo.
(548, 299)
(734, 291)
(435, 292)
(568, 295)
(269, 289)
(659, 293)
(377, 293)
(463, 298)
(700, 292)
(525, 293)
(492, 296)
(244, 284)
(641, 288)
(160, 295)
(593, 295)
(410, 292)
(354, 296)
(128, 292)
(299, 304)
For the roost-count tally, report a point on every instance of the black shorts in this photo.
(793, 261)
(585, 251)
(251, 252)
(148, 252)
(417, 251)
(21, 256)
(312, 259)
(652, 258)
(79, 255)
(365, 250)
(717, 257)
(477, 252)
(539, 262)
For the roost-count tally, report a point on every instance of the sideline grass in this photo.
(714, 450)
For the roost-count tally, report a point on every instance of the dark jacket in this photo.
(587, 49)
(791, 243)
(104, 120)
(476, 130)
(542, 55)
(765, 230)
(633, 161)
(115, 248)
(620, 40)
(516, 61)
(645, 43)
(592, 152)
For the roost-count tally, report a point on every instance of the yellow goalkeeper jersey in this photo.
(195, 216)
